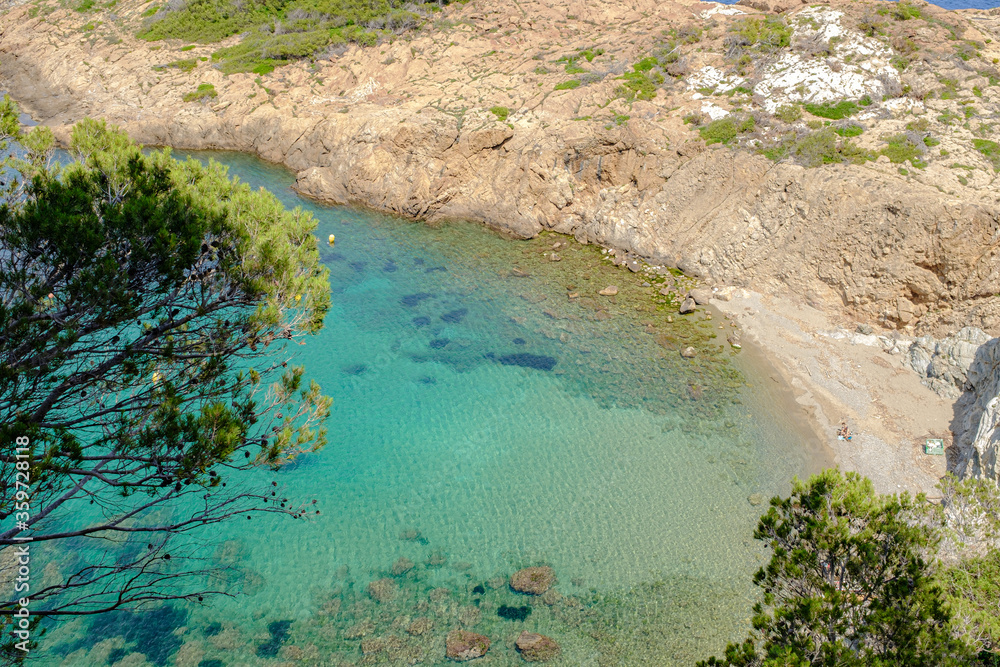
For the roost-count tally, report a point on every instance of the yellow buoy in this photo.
(332, 239)
(298, 297)
(156, 377)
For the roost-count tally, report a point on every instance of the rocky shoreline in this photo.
(414, 127)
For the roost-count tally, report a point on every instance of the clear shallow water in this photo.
(604, 455)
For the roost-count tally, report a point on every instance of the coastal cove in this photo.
(484, 421)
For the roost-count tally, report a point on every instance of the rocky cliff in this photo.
(978, 433)
(727, 160)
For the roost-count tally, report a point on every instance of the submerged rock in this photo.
(534, 647)
(688, 306)
(610, 290)
(536, 361)
(533, 580)
(462, 645)
(420, 626)
(411, 300)
(689, 353)
(402, 566)
(513, 613)
(455, 316)
(382, 590)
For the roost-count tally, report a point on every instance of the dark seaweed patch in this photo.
(212, 629)
(418, 261)
(435, 268)
(411, 300)
(152, 632)
(390, 267)
(427, 379)
(211, 662)
(438, 343)
(514, 613)
(421, 321)
(335, 257)
(358, 266)
(536, 361)
(279, 633)
(520, 341)
(354, 369)
(455, 316)
(478, 590)
(117, 654)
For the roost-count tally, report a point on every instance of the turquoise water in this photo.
(484, 421)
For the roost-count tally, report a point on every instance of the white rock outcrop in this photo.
(978, 433)
(944, 364)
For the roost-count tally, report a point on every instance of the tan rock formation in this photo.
(406, 127)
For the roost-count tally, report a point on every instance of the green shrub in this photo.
(641, 83)
(501, 113)
(85, 6)
(818, 148)
(788, 113)
(152, 9)
(930, 141)
(763, 34)
(837, 111)
(568, 85)
(278, 30)
(267, 51)
(189, 47)
(185, 65)
(901, 149)
(645, 65)
(720, 131)
(849, 130)
(205, 91)
(990, 149)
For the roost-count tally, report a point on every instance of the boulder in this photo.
(689, 353)
(555, 257)
(610, 290)
(734, 340)
(462, 645)
(533, 580)
(534, 647)
(700, 296)
(688, 306)
(633, 265)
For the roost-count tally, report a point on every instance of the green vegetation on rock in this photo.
(500, 112)
(278, 31)
(837, 111)
(900, 149)
(788, 113)
(849, 130)
(726, 129)
(990, 149)
(205, 91)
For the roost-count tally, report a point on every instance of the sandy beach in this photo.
(890, 413)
